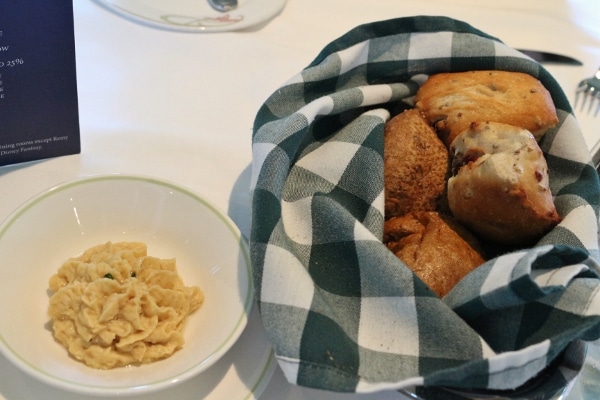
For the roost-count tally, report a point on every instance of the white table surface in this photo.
(180, 106)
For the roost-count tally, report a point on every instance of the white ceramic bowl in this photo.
(174, 222)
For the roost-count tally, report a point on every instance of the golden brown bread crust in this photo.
(415, 165)
(435, 247)
(452, 101)
(500, 189)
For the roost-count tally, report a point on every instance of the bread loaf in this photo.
(435, 247)
(416, 165)
(500, 184)
(452, 101)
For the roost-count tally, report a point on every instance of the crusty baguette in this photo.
(452, 101)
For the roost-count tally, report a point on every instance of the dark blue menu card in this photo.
(38, 85)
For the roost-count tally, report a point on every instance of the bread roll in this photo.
(452, 101)
(500, 188)
(416, 165)
(435, 247)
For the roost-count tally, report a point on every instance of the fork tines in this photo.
(590, 89)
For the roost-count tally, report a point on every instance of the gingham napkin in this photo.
(342, 312)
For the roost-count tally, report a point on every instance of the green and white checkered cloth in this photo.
(342, 312)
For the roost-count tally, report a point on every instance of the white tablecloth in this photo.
(180, 106)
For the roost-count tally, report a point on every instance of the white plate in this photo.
(195, 15)
(69, 218)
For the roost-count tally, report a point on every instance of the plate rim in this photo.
(270, 9)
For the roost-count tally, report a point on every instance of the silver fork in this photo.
(589, 88)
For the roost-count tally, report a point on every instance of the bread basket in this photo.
(342, 312)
